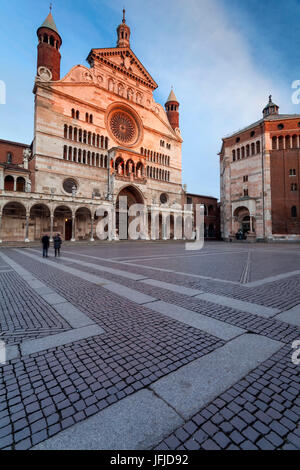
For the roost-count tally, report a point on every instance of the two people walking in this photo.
(57, 242)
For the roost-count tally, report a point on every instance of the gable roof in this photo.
(108, 55)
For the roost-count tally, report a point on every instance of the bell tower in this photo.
(172, 110)
(49, 47)
(123, 33)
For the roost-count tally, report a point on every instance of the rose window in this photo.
(123, 127)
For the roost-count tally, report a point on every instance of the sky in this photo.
(223, 58)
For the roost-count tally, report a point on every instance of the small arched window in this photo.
(91, 119)
(77, 114)
(9, 157)
(73, 113)
(294, 211)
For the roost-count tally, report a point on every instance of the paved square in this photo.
(140, 345)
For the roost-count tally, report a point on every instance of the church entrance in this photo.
(123, 220)
(68, 229)
(243, 222)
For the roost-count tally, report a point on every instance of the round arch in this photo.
(63, 221)
(39, 221)
(134, 196)
(13, 221)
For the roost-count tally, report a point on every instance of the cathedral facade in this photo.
(98, 135)
(260, 167)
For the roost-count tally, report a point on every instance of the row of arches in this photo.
(45, 38)
(12, 183)
(155, 157)
(121, 90)
(17, 223)
(76, 155)
(246, 151)
(285, 142)
(85, 137)
(128, 168)
(158, 174)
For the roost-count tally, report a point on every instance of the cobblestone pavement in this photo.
(50, 391)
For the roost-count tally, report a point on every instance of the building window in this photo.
(189, 201)
(70, 185)
(280, 126)
(252, 133)
(233, 155)
(245, 178)
(238, 139)
(246, 193)
(292, 172)
(294, 211)
(163, 198)
(77, 115)
(294, 187)
(9, 157)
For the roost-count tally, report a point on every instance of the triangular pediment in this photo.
(123, 60)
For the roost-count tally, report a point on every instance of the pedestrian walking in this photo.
(57, 244)
(46, 244)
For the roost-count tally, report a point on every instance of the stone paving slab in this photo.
(53, 299)
(73, 316)
(240, 305)
(209, 325)
(138, 422)
(292, 316)
(173, 287)
(196, 384)
(38, 345)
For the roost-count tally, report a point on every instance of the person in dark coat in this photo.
(46, 244)
(57, 244)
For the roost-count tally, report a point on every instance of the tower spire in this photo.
(172, 109)
(123, 33)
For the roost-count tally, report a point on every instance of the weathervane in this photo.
(51, 7)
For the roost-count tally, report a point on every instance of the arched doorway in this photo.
(39, 221)
(63, 222)
(83, 224)
(242, 220)
(13, 222)
(134, 196)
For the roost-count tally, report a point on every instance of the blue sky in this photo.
(223, 58)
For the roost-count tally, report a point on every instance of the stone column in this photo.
(92, 229)
(73, 228)
(51, 227)
(15, 184)
(1, 181)
(27, 229)
(154, 225)
(1, 227)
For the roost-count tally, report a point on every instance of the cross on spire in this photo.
(124, 21)
(51, 7)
